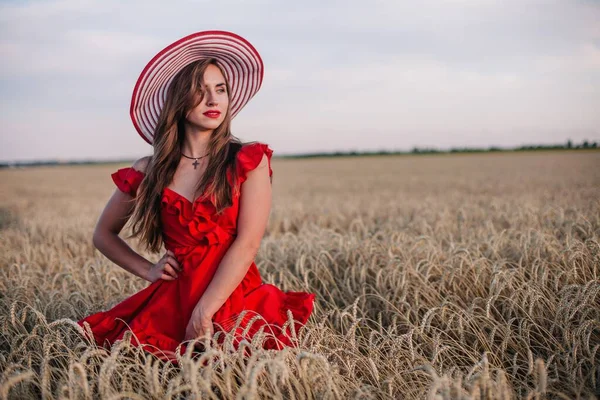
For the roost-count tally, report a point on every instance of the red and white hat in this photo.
(239, 59)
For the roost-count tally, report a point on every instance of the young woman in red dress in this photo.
(206, 198)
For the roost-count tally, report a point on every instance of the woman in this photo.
(210, 214)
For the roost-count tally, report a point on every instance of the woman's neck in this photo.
(195, 143)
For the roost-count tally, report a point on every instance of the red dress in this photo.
(158, 315)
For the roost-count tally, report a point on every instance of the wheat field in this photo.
(472, 276)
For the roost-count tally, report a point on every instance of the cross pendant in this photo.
(195, 163)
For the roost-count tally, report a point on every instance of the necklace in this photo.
(195, 163)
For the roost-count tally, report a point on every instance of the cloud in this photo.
(76, 53)
(338, 75)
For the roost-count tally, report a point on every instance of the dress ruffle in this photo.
(128, 179)
(135, 314)
(249, 156)
(197, 217)
(265, 307)
(108, 329)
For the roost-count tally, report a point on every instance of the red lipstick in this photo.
(212, 114)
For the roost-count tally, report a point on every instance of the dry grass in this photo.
(462, 276)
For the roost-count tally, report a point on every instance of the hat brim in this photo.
(240, 61)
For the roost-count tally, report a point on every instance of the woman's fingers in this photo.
(191, 331)
(188, 333)
(204, 330)
(170, 270)
(167, 277)
(207, 326)
(174, 263)
(203, 334)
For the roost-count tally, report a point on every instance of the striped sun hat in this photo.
(239, 59)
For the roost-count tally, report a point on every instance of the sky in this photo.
(339, 75)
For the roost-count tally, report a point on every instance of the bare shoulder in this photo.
(141, 164)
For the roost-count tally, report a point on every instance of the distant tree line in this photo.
(40, 163)
(432, 150)
(415, 150)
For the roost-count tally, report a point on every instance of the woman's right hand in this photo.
(166, 268)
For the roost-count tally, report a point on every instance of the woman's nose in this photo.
(210, 99)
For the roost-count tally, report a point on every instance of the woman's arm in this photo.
(253, 215)
(112, 220)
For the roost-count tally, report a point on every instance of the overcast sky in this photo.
(339, 75)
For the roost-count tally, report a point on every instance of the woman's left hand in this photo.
(200, 324)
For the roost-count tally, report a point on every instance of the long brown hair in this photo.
(184, 93)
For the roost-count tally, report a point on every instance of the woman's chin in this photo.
(205, 125)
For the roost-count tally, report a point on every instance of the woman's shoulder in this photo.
(141, 164)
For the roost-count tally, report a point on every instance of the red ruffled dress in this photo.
(158, 315)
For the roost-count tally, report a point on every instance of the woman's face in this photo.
(210, 112)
